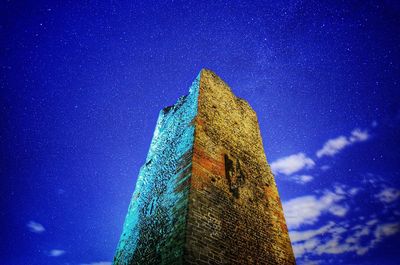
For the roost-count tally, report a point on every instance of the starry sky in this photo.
(82, 84)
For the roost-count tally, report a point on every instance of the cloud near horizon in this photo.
(314, 233)
(337, 238)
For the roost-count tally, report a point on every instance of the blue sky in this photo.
(82, 85)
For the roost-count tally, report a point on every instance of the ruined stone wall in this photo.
(206, 194)
(235, 214)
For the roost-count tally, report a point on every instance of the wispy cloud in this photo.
(56, 252)
(298, 236)
(388, 195)
(291, 164)
(358, 135)
(385, 230)
(325, 167)
(98, 263)
(302, 179)
(334, 238)
(294, 163)
(335, 145)
(35, 227)
(306, 261)
(307, 209)
(356, 235)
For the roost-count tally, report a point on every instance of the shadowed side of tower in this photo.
(155, 226)
(206, 194)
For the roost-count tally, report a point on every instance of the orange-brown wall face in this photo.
(234, 213)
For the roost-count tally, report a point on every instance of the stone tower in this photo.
(206, 194)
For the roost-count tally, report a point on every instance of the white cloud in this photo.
(301, 210)
(335, 239)
(296, 236)
(354, 191)
(311, 262)
(302, 179)
(338, 210)
(307, 209)
(339, 236)
(334, 146)
(291, 164)
(325, 167)
(306, 246)
(357, 135)
(35, 227)
(56, 252)
(372, 222)
(388, 195)
(385, 230)
(98, 263)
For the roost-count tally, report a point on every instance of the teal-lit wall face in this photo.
(152, 215)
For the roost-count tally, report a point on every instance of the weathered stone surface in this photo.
(206, 194)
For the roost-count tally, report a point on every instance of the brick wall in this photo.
(235, 214)
(206, 194)
(155, 226)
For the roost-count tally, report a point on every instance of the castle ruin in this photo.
(206, 194)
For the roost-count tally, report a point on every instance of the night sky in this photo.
(82, 85)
